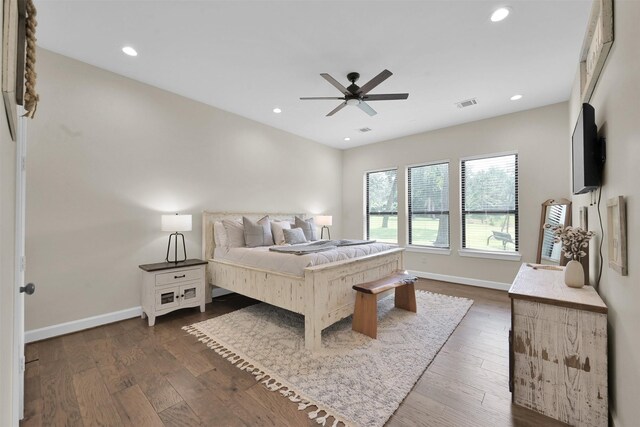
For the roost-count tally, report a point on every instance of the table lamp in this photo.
(324, 221)
(176, 223)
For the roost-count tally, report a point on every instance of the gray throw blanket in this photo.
(317, 246)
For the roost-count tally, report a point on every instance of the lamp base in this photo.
(175, 254)
(322, 232)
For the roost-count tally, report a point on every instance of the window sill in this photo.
(505, 256)
(428, 250)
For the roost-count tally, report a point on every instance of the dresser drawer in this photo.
(179, 276)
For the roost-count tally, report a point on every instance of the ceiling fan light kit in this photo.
(356, 96)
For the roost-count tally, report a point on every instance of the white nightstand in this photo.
(169, 286)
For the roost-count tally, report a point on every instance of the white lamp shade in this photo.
(176, 222)
(323, 219)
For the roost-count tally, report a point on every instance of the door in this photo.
(21, 289)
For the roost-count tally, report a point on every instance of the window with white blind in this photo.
(490, 203)
(428, 204)
(382, 205)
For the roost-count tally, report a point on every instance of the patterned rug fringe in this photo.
(270, 383)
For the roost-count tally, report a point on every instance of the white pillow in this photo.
(220, 235)
(276, 230)
(235, 233)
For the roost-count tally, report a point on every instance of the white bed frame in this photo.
(324, 295)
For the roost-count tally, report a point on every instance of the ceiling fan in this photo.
(357, 95)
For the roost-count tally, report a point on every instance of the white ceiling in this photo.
(248, 57)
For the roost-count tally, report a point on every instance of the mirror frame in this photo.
(543, 217)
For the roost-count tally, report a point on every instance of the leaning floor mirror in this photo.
(554, 212)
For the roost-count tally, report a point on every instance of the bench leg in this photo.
(406, 297)
(365, 315)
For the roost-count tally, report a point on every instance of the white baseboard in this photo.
(80, 324)
(463, 280)
(218, 292)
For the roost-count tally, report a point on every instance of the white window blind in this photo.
(490, 203)
(382, 205)
(428, 203)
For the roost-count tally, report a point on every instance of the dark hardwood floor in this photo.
(127, 373)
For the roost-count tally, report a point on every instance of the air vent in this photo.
(467, 103)
(365, 130)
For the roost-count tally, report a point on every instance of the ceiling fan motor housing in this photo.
(353, 78)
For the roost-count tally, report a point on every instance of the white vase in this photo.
(574, 274)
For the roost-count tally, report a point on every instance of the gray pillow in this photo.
(308, 228)
(257, 233)
(294, 236)
(235, 233)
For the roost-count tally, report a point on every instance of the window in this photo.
(428, 197)
(490, 203)
(382, 205)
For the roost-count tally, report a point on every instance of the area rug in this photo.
(354, 380)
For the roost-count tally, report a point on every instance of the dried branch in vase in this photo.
(574, 240)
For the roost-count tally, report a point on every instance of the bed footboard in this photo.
(328, 292)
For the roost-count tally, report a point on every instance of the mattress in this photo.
(294, 265)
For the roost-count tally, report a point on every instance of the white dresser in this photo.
(169, 286)
(558, 348)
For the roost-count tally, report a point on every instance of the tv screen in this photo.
(587, 160)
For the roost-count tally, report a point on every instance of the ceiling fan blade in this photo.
(367, 109)
(338, 108)
(386, 97)
(323, 97)
(335, 83)
(374, 82)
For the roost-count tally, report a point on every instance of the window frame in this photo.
(483, 253)
(366, 224)
(428, 248)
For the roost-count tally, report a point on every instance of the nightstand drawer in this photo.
(178, 276)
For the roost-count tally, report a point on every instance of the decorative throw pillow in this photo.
(276, 229)
(294, 236)
(308, 228)
(235, 233)
(257, 233)
(220, 235)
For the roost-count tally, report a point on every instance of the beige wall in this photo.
(108, 155)
(617, 104)
(539, 136)
(7, 261)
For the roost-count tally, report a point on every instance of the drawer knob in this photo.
(179, 277)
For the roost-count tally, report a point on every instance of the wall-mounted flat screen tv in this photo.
(586, 151)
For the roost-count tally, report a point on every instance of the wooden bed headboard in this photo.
(209, 217)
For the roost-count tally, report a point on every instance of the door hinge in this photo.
(22, 263)
(22, 364)
(23, 164)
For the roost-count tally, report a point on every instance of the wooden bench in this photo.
(501, 237)
(365, 313)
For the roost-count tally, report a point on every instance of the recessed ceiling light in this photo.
(128, 50)
(347, 139)
(515, 97)
(277, 110)
(499, 14)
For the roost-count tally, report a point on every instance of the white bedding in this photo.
(262, 258)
